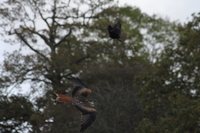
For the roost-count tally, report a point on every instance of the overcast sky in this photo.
(174, 9)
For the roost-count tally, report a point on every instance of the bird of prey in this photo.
(115, 31)
(80, 101)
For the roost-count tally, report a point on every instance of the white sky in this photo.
(175, 10)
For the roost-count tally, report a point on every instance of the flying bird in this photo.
(115, 31)
(80, 101)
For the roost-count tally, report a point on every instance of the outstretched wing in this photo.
(80, 88)
(115, 31)
(87, 120)
(117, 28)
(77, 82)
(88, 112)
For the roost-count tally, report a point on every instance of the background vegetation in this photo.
(148, 83)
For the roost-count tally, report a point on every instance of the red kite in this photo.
(80, 101)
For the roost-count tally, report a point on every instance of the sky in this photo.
(175, 10)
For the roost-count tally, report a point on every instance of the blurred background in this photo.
(148, 83)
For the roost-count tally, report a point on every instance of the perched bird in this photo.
(80, 101)
(115, 31)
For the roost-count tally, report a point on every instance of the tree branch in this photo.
(37, 79)
(52, 30)
(25, 42)
(43, 18)
(64, 38)
(45, 39)
(81, 59)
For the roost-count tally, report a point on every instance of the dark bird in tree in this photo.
(115, 31)
(80, 101)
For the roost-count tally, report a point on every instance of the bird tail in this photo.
(63, 98)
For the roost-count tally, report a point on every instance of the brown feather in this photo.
(87, 120)
(63, 98)
(83, 92)
(79, 100)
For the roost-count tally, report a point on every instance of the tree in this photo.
(15, 112)
(171, 91)
(115, 95)
(69, 37)
(52, 30)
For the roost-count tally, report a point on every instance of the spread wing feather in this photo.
(80, 88)
(77, 82)
(87, 120)
(87, 111)
(79, 95)
(115, 31)
(117, 28)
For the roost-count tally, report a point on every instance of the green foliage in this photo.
(115, 96)
(170, 96)
(15, 112)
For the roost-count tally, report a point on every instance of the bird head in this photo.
(91, 103)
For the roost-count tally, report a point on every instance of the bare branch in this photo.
(68, 4)
(74, 17)
(36, 79)
(25, 41)
(81, 59)
(43, 18)
(53, 28)
(45, 39)
(64, 38)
